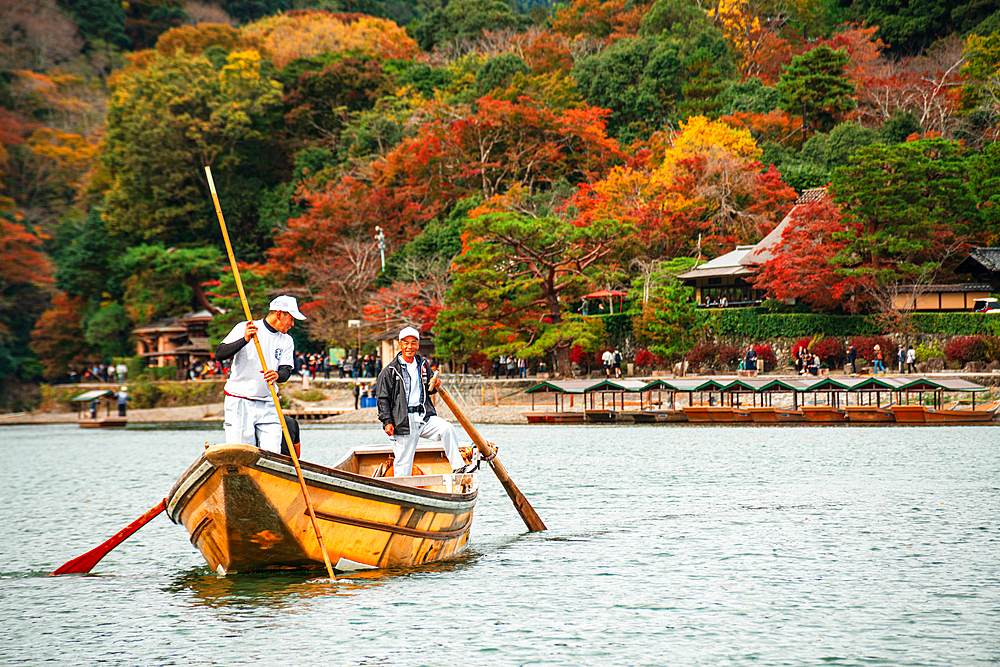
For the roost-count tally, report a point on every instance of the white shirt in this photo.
(245, 378)
(608, 358)
(911, 356)
(413, 391)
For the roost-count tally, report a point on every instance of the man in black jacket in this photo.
(404, 393)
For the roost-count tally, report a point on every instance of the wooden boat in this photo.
(601, 416)
(869, 414)
(984, 413)
(659, 416)
(912, 413)
(89, 412)
(697, 414)
(728, 415)
(762, 414)
(534, 417)
(243, 509)
(554, 417)
(823, 414)
(85, 421)
(565, 418)
(785, 415)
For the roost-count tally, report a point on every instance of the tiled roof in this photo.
(763, 251)
(988, 258)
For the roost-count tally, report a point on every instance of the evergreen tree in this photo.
(814, 85)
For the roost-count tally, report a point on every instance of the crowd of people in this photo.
(99, 373)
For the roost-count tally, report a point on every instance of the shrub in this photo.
(929, 350)
(310, 395)
(964, 349)
(577, 355)
(865, 346)
(801, 344)
(702, 354)
(645, 358)
(765, 352)
(830, 350)
(729, 355)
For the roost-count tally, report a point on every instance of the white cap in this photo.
(287, 304)
(408, 331)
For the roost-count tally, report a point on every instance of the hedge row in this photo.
(756, 324)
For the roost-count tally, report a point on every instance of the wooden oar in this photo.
(85, 563)
(263, 363)
(521, 504)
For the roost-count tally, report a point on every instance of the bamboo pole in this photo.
(263, 363)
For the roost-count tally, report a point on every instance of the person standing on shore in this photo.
(879, 361)
(403, 392)
(122, 398)
(911, 358)
(250, 414)
(852, 358)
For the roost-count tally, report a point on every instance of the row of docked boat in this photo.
(902, 399)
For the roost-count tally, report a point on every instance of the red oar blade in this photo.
(85, 563)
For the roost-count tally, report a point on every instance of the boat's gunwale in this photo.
(269, 463)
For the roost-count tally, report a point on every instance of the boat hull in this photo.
(824, 414)
(869, 414)
(103, 422)
(244, 511)
(762, 415)
(788, 415)
(601, 416)
(909, 414)
(958, 416)
(697, 414)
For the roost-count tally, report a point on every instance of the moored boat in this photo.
(762, 414)
(984, 413)
(697, 414)
(785, 415)
(102, 422)
(90, 408)
(244, 511)
(601, 416)
(823, 414)
(911, 413)
(869, 414)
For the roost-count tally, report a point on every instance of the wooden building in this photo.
(175, 341)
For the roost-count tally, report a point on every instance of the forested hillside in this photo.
(513, 156)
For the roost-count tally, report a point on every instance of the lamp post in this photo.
(381, 244)
(356, 323)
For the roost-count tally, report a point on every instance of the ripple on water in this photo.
(707, 546)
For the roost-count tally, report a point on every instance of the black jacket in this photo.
(390, 388)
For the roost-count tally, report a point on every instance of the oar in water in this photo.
(521, 504)
(85, 563)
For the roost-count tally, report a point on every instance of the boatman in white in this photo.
(404, 390)
(251, 417)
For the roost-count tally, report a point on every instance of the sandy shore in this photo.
(191, 413)
(503, 414)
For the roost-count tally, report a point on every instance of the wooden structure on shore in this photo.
(89, 412)
(243, 509)
(762, 400)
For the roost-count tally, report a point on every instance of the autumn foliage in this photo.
(803, 265)
(306, 33)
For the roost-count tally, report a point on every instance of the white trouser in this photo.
(252, 422)
(436, 429)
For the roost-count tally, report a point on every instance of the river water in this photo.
(666, 546)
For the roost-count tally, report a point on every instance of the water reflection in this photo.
(277, 590)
